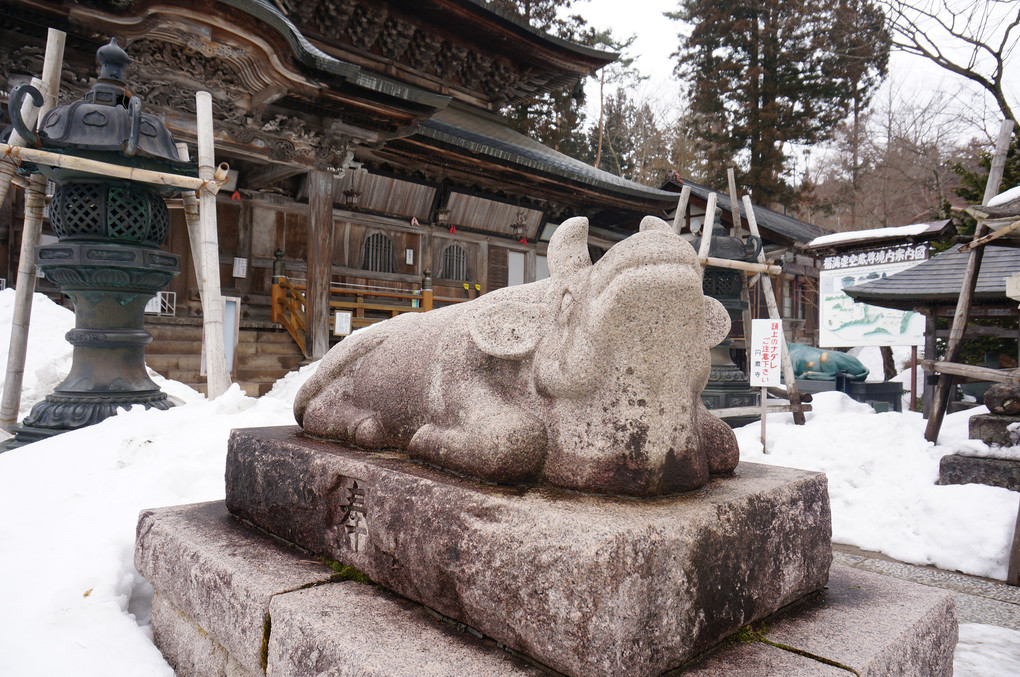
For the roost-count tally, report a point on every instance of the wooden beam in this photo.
(1008, 376)
(733, 412)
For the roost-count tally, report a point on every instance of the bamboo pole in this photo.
(217, 375)
(48, 85)
(35, 199)
(770, 300)
(681, 209)
(749, 266)
(13, 155)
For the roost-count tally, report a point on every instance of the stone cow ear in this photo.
(510, 330)
(717, 322)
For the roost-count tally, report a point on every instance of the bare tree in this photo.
(972, 38)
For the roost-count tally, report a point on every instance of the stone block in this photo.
(874, 625)
(862, 623)
(995, 472)
(756, 659)
(993, 429)
(190, 650)
(588, 585)
(355, 630)
(200, 560)
(871, 624)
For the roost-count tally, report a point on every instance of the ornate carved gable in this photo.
(470, 50)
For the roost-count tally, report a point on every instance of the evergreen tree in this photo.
(973, 182)
(766, 73)
(554, 118)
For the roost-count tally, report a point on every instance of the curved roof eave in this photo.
(494, 139)
(313, 57)
(519, 22)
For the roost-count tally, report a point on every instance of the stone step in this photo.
(264, 355)
(230, 599)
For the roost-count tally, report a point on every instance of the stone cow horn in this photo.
(568, 248)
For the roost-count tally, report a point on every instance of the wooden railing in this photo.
(367, 305)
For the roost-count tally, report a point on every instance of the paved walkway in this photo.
(978, 600)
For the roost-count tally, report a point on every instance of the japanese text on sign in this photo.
(766, 353)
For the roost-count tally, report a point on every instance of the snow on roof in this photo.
(870, 234)
(1007, 196)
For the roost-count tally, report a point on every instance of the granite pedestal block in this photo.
(588, 585)
(995, 472)
(222, 583)
(994, 429)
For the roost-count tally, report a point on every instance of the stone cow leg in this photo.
(345, 423)
(489, 439)
(718, 443)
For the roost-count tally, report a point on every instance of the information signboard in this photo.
(845, 323)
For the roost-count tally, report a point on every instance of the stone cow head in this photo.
(588, 380)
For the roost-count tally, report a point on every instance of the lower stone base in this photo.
(232, 601)
(995, 472)
(587, 585)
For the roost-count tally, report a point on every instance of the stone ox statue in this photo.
(588, 380)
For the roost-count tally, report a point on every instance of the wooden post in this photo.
(930, 350)
(193, 222)
(941, 399)
(707, 228)
(770, 300)
(681, 209)
(913, 379)
(738, 226)
(320, 255)
(745, 293)
(35, 199)
(217, 374)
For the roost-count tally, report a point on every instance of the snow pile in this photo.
(882, 475)
(71, 601)
(870, 234)
(1004, 197)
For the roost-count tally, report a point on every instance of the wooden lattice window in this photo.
(377, 254)
(453, 264)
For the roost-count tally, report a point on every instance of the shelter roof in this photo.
(853, 239)
(938, 280)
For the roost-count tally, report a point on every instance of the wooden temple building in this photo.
(365, 143)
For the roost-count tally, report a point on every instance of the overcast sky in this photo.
(910, 77)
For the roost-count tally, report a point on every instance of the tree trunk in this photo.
(888, 363)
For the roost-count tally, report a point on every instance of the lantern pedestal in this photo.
(109, 285)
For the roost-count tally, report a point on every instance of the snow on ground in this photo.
(71, 601)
